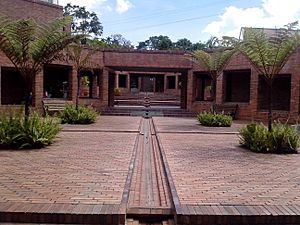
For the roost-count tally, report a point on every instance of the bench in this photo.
(228, 109)
(52, 106)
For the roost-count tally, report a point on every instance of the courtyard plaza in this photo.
(160, 170)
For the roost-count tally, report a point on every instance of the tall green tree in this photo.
(213, 61)
(184, 44)
(118, 41)
(269, 54)
(156, 43)
(80, 58)
(30, 46)
(84, 22)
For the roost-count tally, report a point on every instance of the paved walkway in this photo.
(98, 173)
(149, 191)
(84, 171)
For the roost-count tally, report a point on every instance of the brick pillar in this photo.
(165, 82)
(253, 94)
(72, 84)
(295, 98)
(189, 91)
(128, 82)
(117, 80)
(139, 83)
(38, 90)
(104, 90)
(220, 90)
(94, 86)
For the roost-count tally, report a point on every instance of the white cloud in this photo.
(271, 14)
(123, 6)
(89, 4)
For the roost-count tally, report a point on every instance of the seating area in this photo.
(229, 109)
(52, 106)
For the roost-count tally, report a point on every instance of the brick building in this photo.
(167, 72)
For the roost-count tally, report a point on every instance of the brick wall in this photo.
(39, 10)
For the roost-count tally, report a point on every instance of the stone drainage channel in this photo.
(150, 200)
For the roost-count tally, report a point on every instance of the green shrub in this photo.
(36, 132)
(213, 119)
(282, 139)
(83, 115)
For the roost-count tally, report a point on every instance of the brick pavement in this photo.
(212, 169)
(88, 168)
(83, 173)
(191, 125)
(108, 123)
(215, 181)
(89, 173)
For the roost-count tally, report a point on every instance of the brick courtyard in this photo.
(98, 169)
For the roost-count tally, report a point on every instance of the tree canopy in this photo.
(156, 43)
(84, 22)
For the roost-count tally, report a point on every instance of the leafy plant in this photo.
(81, 59)
(35, 132)
(213, 119)
(117, 92)
(268, 54)
(29, 46)
(214, 61)
(82, 115)
(282, 139)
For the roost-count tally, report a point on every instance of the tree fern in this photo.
(29, 46)
(269, 54)
(81, 60)
(213, 62)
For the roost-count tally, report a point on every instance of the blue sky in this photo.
(196, 20)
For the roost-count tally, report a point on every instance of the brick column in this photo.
(254, 94)
(94, 86)
(154, 83)
(104, 90)
(220, 90)
(176, 82)
(38, 90)
(295, 99)
(128, 82)
(165, 82)
(117, 80)
(72, 84)
(189, 91)
(139, 83)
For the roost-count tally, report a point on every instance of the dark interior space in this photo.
(171, 82)
(281, 93)
(56, 81)
(237, 86)
(12, 87)
(203, 88)
(159, 83)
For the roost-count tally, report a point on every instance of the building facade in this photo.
(135, 71)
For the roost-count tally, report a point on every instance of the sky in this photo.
(196, 20)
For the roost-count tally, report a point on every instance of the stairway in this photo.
(151, 111)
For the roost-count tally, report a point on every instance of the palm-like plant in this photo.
(29, 46)
(213, 62)
(80, 58)
(268, 54)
